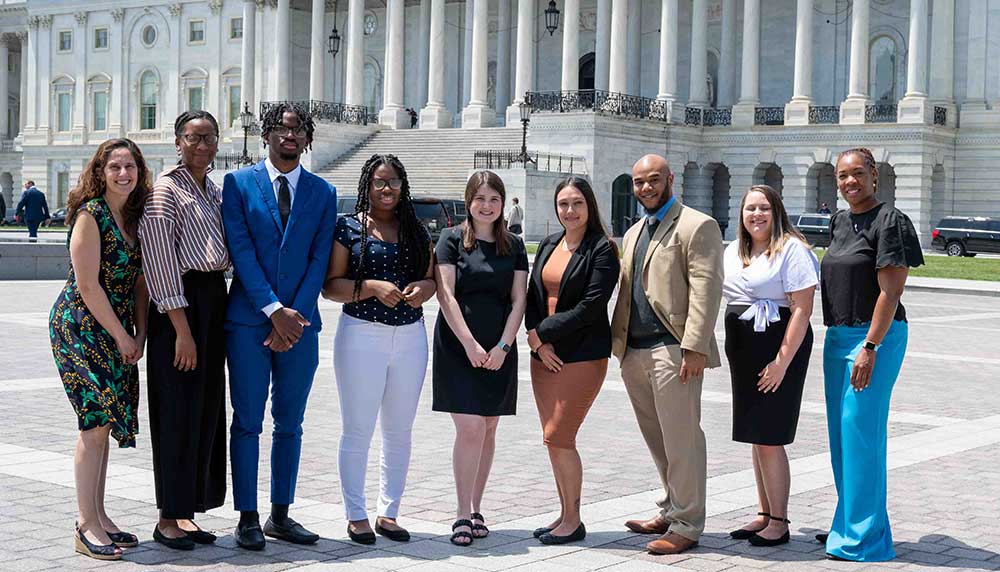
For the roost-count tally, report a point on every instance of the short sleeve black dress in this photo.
(483, 282)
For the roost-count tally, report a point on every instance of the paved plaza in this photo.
(944, 460)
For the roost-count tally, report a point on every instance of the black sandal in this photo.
(124, 539)
(475, 526)
(744, 534)
(95, 551)
(461, 534)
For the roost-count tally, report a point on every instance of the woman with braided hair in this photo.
(380, 269)
(872, 247)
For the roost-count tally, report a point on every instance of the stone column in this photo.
(478, 113)
(525, 64)
(915, 106)
(852, 110)
(422, 47)
(79, 131)
(466, 74)
(249, 57)
(393, 113)
(31, 72)
(602, 51)
(942, 84)
(435, 114)
(744, 110)
(618, 64)
(668, 51)
(117, 119)
(727, 61)
(503, 58)
(44, 65)
(571, 45)
(317, 50)
(282, 42)
(4, 88)
(355, 62)
(633, 77)
(22, 108)
(699, 54)
(797, 110)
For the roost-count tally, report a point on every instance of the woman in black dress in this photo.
(482, 273)
(98, 329)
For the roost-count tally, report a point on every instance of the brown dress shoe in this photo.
(671, 543)
(655, 525)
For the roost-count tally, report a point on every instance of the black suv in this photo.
(967, 235)
(433, 214)
(456, 210)
(815, 227)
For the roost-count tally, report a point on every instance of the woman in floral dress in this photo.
(98, 329)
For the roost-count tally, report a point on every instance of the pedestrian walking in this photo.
(33, 209)
(515, 222)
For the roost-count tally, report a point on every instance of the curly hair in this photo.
(92, 184)
(414, 240)
(272, 116)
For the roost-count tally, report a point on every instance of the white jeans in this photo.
(378, 368)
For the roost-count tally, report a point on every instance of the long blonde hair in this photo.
(781, 227)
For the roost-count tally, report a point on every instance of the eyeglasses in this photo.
(394, 184)
(194, 138)
(283, 131)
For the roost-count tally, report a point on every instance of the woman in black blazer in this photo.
(575, 273)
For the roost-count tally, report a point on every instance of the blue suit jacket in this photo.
(33, 206)
(271, 265)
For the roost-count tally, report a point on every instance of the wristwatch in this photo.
(504, 346)
(869, 345)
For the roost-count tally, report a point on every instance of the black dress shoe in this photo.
(758, 540)
(361, 537)
(399, 535)
(124, 539)
(249, 536)
(577, 535)
(180, 543)
(201, 536)
(540, 531)
(290, 531)
(744, 534)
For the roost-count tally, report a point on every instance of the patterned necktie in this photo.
(284, 200)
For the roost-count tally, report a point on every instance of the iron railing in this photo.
(880, 113)
(769, 116)
(233, 161)
(940, 115)
(598, 101)
(513, 158)
(693, 116)
(720, 116)
(328, 111)
(824, 114)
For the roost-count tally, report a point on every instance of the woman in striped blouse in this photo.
(184, 261)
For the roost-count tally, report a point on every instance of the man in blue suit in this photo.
(33, 208)
(279, 222)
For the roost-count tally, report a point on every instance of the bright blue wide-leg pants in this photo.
(857, 421)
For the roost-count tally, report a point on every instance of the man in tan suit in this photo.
(663, 335)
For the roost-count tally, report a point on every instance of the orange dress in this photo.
(563, 398)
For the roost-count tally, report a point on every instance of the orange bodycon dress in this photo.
(563, 398)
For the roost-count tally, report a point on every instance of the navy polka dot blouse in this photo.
(380, 264)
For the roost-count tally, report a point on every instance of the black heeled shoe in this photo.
(179, 543)
(123, 539)
(758, 540)
(576, 536)
(95, 551)
(744, 534)
(540, 531)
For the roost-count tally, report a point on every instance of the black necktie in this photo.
(284, 200)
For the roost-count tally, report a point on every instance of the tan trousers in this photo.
(669, 416)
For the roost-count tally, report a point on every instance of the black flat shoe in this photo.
(821, 537)
(96, 551)
(577, 535)
(124, 539)
(290, 531)
(181, 543)
(361, 537)
(540, 531)
(744, 534)
(758, 540)
(249, 536)
(201, 536)
(399, 535)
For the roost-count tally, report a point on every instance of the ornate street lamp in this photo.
(524, 108)
(333, 41)
(247, 122)
(552, 17)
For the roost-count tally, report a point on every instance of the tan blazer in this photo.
(682, 275)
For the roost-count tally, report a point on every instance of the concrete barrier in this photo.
(33, 261)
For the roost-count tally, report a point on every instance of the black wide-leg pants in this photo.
(187, 410)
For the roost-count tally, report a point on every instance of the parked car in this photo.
(967, 235)
(345, 206)
(433, 214)
(815, 227)
(57, 218)
(456, 210)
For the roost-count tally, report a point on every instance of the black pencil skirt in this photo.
(764, 418)
(187, 410)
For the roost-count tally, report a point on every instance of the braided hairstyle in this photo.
(870, 164)
(272, 117)
(189, 116)
(414, 240)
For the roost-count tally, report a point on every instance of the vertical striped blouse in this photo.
(180, 230)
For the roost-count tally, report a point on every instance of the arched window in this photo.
(882, 70)
(147, 100)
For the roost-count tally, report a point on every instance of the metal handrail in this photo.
(598, 101)
(542, 161)
(328, 111)
(769, 116)
(233, 161)
(940, 115)
(824, 114)
(881, 113)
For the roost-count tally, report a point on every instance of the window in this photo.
(149, 36)
(13, 61)
(147, 101)
(196, 97)
(235, 95)
(196, 32)
(993, 225)
(66, 41)
(100, 38)
(65, 111)
(62, 189)
(100, 122)
(235, 28)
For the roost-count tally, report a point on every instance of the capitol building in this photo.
(732, 92)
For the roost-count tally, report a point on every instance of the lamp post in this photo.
(552, 18)
(525, 110)
(247, 122)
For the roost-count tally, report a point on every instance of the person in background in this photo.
(515, 223)
(824, 209)
(33, 209)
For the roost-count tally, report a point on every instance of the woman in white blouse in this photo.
(770, 278)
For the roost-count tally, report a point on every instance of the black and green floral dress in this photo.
(102, 388)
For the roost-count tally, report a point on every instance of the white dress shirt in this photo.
(293, 183)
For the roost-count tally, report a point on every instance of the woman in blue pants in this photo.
(863, 273)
